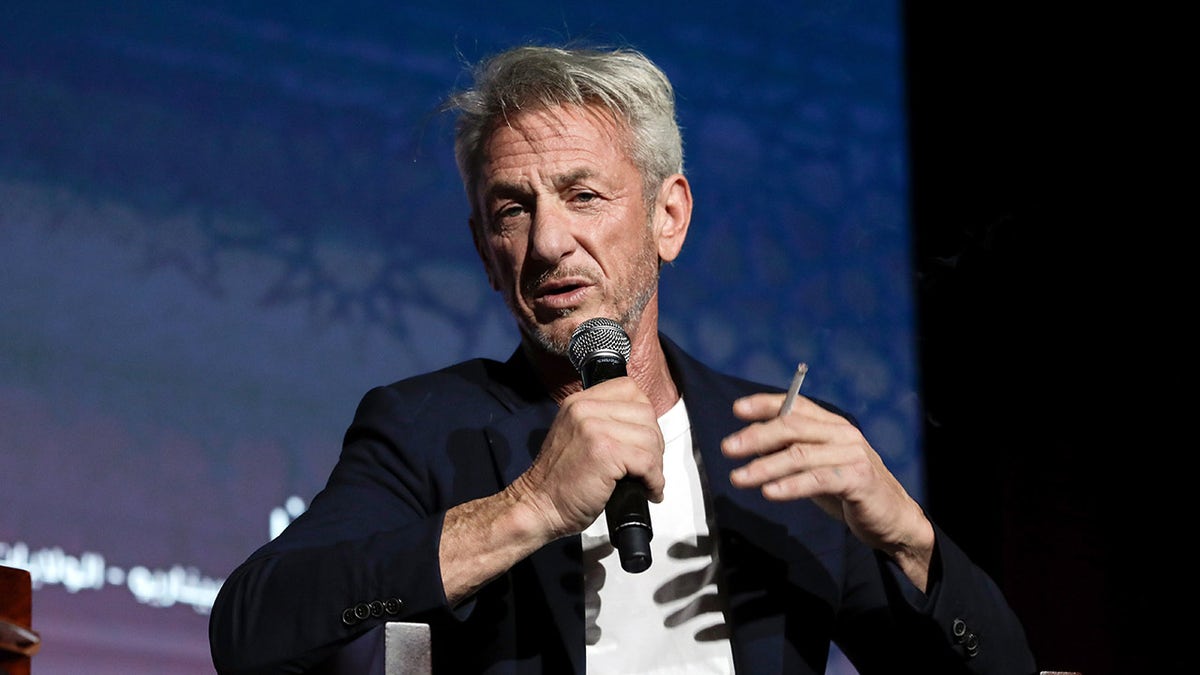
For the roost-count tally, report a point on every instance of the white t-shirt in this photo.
(668, 619)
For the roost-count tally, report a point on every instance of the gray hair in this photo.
(621, 81)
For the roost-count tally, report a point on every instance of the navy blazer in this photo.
(366, 551)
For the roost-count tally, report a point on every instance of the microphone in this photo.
(599, 349)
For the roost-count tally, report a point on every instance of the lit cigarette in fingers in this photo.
(797, 380)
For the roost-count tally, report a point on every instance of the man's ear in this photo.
(483, 252)
(672, 215)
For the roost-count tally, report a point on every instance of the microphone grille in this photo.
(597, 336)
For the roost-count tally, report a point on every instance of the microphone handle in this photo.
(628, 517)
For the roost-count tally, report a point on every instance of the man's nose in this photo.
(551, 237)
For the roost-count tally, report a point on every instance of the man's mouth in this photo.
(557, 289)
(560, 294)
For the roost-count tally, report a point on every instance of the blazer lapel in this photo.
(755, 617)
(515, 441)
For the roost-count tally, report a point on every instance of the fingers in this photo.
(617, 426)
(601, 434)
(759, 407)
(808, 453)
(806, 423)
(812, 453)
(801, 471)
(617, 400)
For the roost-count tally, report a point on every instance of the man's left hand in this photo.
(816, 454)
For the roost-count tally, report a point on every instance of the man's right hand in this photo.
(600, 435)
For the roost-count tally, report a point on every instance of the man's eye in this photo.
(508, 217)
(585, 196)
(510, 211)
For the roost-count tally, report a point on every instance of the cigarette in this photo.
(797, 380)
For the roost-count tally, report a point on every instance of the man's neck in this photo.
(647, 366)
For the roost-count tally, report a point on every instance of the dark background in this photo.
(1038, 223)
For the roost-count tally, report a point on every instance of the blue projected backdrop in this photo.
(222, 222)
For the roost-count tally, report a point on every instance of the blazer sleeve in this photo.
(969, 611)
(962, 624)
(365, 551)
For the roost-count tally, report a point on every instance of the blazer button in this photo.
(972, 644)
(376, 608)
(959, 627)
(348, 617)
(362, 611)
(392, 605)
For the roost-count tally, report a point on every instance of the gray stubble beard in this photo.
(628, 319)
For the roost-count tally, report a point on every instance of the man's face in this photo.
(563, 227)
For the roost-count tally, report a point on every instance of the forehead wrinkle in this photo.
(543, 131)
(560, 181)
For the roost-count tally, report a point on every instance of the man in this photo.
(472, 498)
